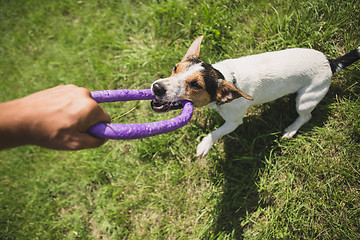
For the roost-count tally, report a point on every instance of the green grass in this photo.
(252, 185)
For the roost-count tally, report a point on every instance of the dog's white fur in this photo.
(265, 77)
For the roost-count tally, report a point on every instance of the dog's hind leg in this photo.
(307, 99)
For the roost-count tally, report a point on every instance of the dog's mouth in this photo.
(161, 106)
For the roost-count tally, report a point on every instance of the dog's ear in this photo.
(194, 49)
(227, 91)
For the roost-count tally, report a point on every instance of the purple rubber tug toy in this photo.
(136, 130)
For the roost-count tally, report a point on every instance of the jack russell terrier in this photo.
(232, 86)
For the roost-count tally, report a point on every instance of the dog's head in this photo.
(195, 81)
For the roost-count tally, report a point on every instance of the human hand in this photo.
(56, 118)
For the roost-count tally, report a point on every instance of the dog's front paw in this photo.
(288, 135)
(204, 147)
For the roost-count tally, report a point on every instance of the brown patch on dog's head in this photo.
(181, 67)
(195, 90)
(208, 85)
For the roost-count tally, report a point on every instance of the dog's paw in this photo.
(204, 147)
(288, 135)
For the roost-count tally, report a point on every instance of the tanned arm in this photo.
(56, 118)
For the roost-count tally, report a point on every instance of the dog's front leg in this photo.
(204, 147)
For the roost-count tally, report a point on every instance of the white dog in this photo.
(232, 86)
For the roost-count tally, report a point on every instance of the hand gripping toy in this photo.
(136, 130)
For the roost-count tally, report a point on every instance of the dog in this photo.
(231, 86)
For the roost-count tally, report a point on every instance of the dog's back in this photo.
(269, 76)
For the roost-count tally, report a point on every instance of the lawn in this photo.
(252, 185)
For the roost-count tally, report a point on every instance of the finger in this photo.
(90, 114)
(84, 141)
(92, 142)
(84, 91)
(104, 115)
(100, 115)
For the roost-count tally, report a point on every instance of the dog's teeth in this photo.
(160, 106)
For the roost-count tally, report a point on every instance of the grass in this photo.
(252, 185)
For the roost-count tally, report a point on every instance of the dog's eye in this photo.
(174, 70)
(195, 85)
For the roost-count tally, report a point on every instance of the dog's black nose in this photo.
(158, 89)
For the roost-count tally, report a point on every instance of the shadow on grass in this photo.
(245, 151)
(247, 147)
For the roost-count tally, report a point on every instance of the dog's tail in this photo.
(344, 61)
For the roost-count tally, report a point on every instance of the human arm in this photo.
(56, 118)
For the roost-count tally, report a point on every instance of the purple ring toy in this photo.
(136, 130)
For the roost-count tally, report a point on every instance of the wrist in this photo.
(14, 129)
